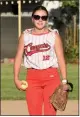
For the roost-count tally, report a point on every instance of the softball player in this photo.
(43, 55)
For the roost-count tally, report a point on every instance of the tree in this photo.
(74, 3)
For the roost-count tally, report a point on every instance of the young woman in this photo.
(43, 55)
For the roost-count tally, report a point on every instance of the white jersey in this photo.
(39, 50)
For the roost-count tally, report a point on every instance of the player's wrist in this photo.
(64, 81)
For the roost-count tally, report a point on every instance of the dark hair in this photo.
(39, 8)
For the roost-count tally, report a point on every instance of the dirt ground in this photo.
(19, 107)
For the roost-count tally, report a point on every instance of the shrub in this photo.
(72, 54)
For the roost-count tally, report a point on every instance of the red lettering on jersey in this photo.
(30, 49)
(46, 57)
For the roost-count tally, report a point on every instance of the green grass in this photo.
(8, 88)
(73, 77)
(10, 92)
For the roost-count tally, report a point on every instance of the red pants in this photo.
(41, 84)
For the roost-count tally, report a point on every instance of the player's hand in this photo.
(65, 87)
(18, 84)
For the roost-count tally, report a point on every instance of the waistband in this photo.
(47, 69)
(42, 69)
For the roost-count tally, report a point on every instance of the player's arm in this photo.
(18, 60)
(60, 56)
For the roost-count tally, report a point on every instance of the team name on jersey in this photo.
(32, 49)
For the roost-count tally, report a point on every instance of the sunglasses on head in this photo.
(37, 17)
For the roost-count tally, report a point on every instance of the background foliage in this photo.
(66, 20)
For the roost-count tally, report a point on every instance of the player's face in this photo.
(39, 19)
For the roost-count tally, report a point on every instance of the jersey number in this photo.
(47, 57)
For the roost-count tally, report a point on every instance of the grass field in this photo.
(9, 91)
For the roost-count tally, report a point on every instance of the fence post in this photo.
(74, 22)
(77, 34)
(19, 18)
